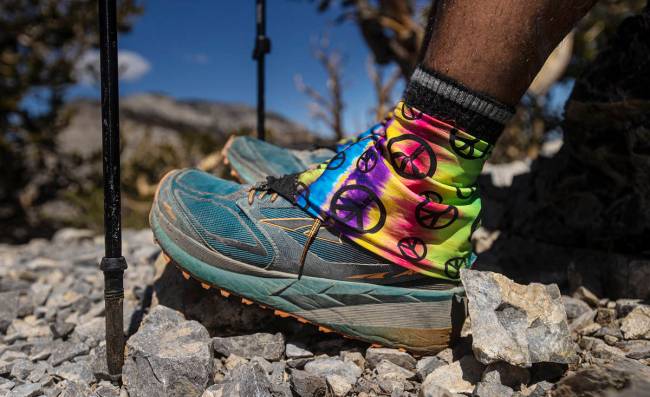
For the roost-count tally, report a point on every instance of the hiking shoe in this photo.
(263, 248)
(252, 160)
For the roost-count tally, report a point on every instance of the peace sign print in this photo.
(465, 147)
(337, 161)
(453, 266)
(410, 113)
(302, 191)
(412, 157)
(412, 249)
(367, 161)
(351, 206)
(475, 225)
(430, 215)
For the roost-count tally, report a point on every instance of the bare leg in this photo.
(498, 46)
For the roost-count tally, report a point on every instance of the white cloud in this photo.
(131, 66)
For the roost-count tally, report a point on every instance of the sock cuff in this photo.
(442, 97)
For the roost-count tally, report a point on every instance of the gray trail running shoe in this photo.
(262, 248)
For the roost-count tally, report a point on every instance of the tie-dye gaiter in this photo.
(407, 192)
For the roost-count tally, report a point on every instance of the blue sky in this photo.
(202, 49)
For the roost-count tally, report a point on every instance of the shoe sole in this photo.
(417, 320)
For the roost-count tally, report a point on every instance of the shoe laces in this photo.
(264, 189)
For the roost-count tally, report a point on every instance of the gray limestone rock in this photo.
(426, 365)
(269, 346)
(375, 355)
(338, 385)
(80, 372)
(574, 307)
(168, 356)
(333, 366)
(636, 325)
(505, 374)
(244, 381)
(635, 349)
(296, 350)
(64, 351)
(306, 384)
(458, 377)
(432, 390)
(26, 390)
(624, 306)
(8, 308)
(485, 389)
(519, 324)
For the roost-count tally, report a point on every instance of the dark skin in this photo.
(497, 46)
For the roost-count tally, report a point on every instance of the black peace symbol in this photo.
(367, 161)
(472, 192)
(412, 157)
(352, 203)
(410, 113)
(337, 161)
(465, 147)
(475, 225)
(453, 266)
(429, 214)
(412, 249)
(302, 190)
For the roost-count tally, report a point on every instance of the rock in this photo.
(297, 351)
(64, 351)
(333, 366)
(599, 349)
(611, 330)
(80, 372)
(484, 389)
(8, 308)
(636, 325)
(589, 329)
(338, 385)
(605, 316)
(269, 346)
(91, 332)
(433, 390)
(26, 390)
(244, 381)
(574, 307)
(306, 384)
(426, 365)
(21, 369)
(106, 389)
(72, 389)
(582, 321)
(587, 296)
(540, 389)
(375, 355)
(233, 361)
(612, 377)
(387, 369)
(636, 349)
(625, 306)
(505, 374)
(168, 356)
(516, 323)
(458, 377)
(354, 357)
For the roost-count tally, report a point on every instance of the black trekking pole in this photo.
(113, 264)
(262, 47)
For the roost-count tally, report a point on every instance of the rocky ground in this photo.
(188, 341)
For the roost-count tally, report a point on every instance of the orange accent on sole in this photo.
(280, 313)
(324, 329)
(185, 274)
(246, 301)
(166, 258)
(205, 286)
(224, 293)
